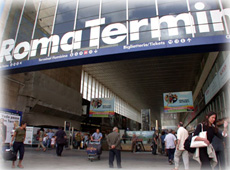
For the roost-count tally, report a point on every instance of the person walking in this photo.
(182, 135)
(209, 124)
(96, 137)
(114, 142)
(162, 138)
(155, 138)
(134, 143)
(170, 144)
(17, 142)
(60, 137)
(41, 137)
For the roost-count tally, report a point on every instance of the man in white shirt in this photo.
(182, 135)
(170, 144)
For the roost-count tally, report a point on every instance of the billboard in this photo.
(178, 102)
(101, 107)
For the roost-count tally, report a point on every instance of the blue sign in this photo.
(108, 54)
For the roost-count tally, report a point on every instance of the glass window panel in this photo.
(88, 3)
(81, 22)
(85, 85)
(197, 5)
(226, 3)
(169, 7)
(144, 12)
(92, 11)
(66, 6)
(117, 5)
(115, 14)
(102, 92)
(106, 93)
(89, 88)
(27, 23)
(45, 19)
(144, 36)
(93, 88)
(99, 90)
(61, 29)
(119, 16)
(13, 20)
(82, 81)
(65, 17)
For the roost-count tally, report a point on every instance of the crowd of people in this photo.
(172, 143)
(217, 141)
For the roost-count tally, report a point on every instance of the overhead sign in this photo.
(200, 27)
(101, 107)
(178, 102)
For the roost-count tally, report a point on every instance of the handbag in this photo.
(9, 155)
(187, 144)
(199, 144)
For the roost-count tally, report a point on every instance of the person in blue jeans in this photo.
(155, 138)
(170, 145)
(50, 134)
(162, 138)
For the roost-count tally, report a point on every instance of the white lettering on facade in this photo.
(114, 33)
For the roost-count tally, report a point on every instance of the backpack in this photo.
(187, 144)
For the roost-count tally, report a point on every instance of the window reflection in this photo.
(27, 23)
(197, 5)
(142, 9)
(13, 20)
(115, 14)
(45, 19)
(169, 7)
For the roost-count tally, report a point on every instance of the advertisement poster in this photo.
(101, 107)
(11, 119)
(29, 135)
(178, 102)
(146, 136)
(145, 117)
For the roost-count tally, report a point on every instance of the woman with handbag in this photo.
(18, 143)
(209, 125)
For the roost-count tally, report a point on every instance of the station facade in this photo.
(45, 43)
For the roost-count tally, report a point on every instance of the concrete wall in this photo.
(47, 97)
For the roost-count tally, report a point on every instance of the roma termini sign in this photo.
(196, 26)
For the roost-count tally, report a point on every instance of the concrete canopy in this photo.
(142, 82)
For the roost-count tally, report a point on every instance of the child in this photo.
(53, 142)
